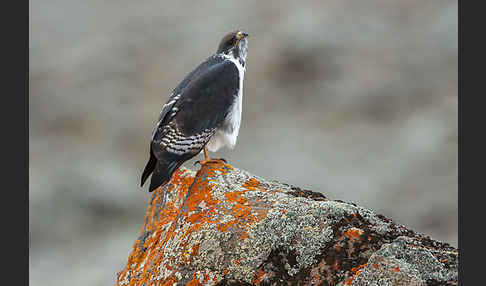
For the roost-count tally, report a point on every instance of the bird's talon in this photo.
(214, 161)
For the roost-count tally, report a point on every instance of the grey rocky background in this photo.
(356, 99)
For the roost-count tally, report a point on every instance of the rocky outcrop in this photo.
(224, 226)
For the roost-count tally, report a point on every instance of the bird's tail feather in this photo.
(162, 173)
(148, 168)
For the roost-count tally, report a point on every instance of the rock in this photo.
(225, 226)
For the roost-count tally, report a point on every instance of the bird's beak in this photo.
(240, 35)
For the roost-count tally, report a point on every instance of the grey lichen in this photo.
(285, 234)
(402, 262)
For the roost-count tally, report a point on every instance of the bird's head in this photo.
(234, 44)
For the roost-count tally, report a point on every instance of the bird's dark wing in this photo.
(203, 72)
(196, 108)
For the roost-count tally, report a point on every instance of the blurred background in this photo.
(355, 99)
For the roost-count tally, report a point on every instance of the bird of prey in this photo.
(202, 113)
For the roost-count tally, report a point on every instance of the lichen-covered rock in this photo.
(224, 226)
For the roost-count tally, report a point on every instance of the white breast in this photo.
(227, 134)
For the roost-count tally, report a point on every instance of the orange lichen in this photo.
(153, 248)
(206, 277)
(317, 279)
(242, 211)
(152, 222)
(252, 184)
(353, 233)
(354, 271)
(195, 250)
(166, 282)
(194, 281)
(357, 270)
(225, 226)
(348, 282)
(335, 265)
(243, 235)
(193, 207)
(258, 276)
(375, 266)
(235, 197)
